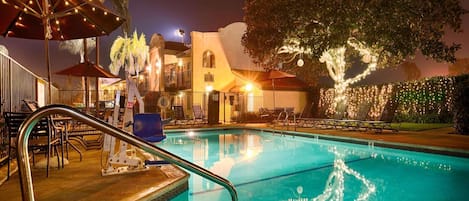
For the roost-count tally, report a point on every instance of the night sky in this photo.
(162, 16)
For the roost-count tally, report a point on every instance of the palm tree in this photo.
(129, 53)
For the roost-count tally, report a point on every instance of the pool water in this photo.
(267, 166)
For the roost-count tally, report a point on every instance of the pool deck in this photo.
(82, 180)
(443, 138)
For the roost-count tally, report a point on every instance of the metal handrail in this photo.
(27, 126)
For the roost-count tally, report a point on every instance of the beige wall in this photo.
(222, 71)
(170, 59)
(223, 76)
(296, 99)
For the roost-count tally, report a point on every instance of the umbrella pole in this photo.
(45, 22)
(49, 81)
(273, 92)
(87, 95)
(96, 105)
(87, 100)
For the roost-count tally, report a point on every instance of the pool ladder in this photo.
(24, 165)
(283, 119)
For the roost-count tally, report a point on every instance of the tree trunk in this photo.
(335, 63)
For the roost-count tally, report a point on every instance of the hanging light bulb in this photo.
(300, 62)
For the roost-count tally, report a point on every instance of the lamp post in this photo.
(180, 33)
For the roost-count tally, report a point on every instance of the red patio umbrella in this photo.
(87, 69)
(276, 74)
(56, 20)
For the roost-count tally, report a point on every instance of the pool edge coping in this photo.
(379, 143)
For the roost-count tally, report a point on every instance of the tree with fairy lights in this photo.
(381, 33)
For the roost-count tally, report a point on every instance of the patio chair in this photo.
(41, 138)
(57, 127)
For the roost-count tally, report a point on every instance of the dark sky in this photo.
(148, 16)
(163, 16)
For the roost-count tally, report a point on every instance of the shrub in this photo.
(461, 104)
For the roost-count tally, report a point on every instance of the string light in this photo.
(335, 184)
(415, 99)
(334, 58)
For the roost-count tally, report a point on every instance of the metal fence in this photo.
(232, 107)
(17, 83)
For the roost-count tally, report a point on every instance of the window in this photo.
(208, 60)
(209, 77)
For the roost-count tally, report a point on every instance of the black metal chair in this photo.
(41, 137)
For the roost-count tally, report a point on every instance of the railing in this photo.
(286, 120)
(24, 166)
(13, 91)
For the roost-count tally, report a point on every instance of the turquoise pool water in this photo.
(266, 166)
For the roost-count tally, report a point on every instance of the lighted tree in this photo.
(382, 33)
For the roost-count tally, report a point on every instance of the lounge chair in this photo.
(384, 123)
(179, 116)
(340, 114)
(306, 119)
(199, 116)
(356, 122)
(85, 135)
(265, 114)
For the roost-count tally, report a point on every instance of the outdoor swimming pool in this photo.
(267, 166)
